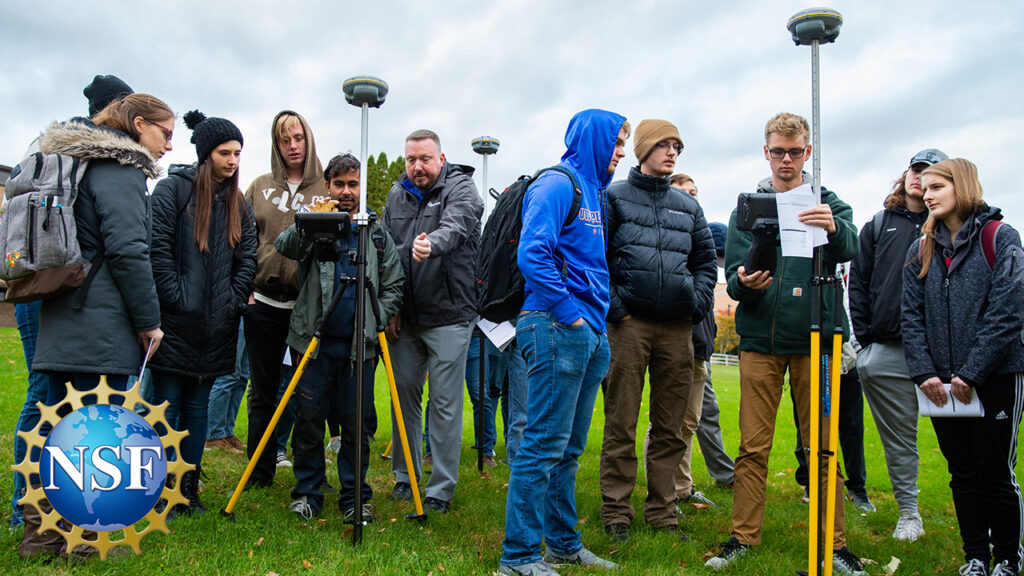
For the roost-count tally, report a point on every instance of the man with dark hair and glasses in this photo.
(773, 320)
(663, 267)
(876, 281)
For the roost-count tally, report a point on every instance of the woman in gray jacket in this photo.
(962, 321)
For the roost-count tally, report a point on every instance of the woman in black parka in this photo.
(204, 262)
(962, 320)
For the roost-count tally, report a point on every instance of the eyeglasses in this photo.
(168, 134)
(780, 153)
(664, 144)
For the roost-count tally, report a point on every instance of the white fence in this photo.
(725, 359)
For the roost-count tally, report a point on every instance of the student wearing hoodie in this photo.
(204, 260)
(773, 319)
(433, 214)
(295, 178)
(962, 321)
(876, 277)
(565, 307)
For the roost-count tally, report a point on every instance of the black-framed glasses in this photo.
(168, 134)
(780, 153)
(665, 144)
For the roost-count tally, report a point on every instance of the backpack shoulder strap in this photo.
(877, 223)
(577, 198)
(988, 241)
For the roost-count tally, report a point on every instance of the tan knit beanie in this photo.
(649, 133)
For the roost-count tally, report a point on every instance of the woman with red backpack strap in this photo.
(962, 330)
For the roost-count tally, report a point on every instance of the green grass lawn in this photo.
(266, 538)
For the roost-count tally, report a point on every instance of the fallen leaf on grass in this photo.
(260, 541)
(307, 564)
(272, 573)
(250, 554)
(322, 520)
(699, 505)
(440, 567)
(613, 552)
(381, 531)
(893, 564)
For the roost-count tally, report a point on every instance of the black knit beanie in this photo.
(208, 133)
(103, 90)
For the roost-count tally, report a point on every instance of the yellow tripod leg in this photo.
(269, 432)
(387, 451)
(812, 460)
(833, 450)
(401, 424)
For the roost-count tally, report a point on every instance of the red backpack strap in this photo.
(988, 241)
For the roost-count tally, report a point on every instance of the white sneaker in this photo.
(283, 461)
(334, 445)
(974, 568)
(302, 509)
(1004, 569)
(909, 527)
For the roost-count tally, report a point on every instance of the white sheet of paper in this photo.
(287, 358)
(798, 239)
(953, 407)
(499, 334)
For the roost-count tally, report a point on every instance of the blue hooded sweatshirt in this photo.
(544, 245)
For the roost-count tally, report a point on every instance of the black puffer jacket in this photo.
(202, 294)
(964, 319)
(661, 255)
(876, 275)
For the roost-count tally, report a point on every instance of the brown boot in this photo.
(35, 543)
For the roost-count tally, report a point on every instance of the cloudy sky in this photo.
(902, 76)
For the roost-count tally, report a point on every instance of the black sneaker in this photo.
(730, 552)
(436, 504)
(1004, 568)
(974, 567)
(350, 515)
(401, 491)
(845, 563)
(618, 532)
(672, 529)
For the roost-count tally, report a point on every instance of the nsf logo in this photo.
(103, 468)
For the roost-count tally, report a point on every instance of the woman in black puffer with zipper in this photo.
(962, 321)
(204, 262)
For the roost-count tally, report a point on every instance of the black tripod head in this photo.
(758, 214)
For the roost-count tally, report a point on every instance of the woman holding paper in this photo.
(962, 321)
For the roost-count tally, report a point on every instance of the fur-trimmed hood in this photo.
(81, 138)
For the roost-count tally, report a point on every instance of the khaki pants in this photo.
(667, 349)
(761, 381)
(684, 480)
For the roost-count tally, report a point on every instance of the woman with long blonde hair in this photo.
(962, 322)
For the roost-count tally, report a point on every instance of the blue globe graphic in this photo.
(90, 439)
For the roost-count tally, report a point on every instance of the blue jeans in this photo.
(27, 316)
(566, 365)
(226, 394)
(513, 401)
(189, 398)
(490, 403)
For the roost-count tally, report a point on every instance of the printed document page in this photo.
(798, 239)
(953, 407)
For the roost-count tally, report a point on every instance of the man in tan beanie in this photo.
(661, 258)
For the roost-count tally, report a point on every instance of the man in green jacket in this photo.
(773, 321)
(331, 375)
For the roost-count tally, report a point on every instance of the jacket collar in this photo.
(653, 184)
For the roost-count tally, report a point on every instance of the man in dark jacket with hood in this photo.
(663, 272)
(433, 214)
(876, 283)
(564, 314)
(773, 320)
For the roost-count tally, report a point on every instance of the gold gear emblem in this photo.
(73, 535)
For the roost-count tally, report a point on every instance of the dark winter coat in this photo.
(202, 294)
(441, 290)
(778, 320)
(964, 320)
(661, 255)
(876, 274)
(112, 217)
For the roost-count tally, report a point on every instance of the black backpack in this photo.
(500, 285)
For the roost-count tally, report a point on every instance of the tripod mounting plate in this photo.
(815, 25)
(485, 145)
(368, 90)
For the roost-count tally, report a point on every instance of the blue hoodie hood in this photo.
(590, 142)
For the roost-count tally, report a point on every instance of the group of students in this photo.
(616, 289)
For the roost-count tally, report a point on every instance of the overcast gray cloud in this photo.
(901, 77)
